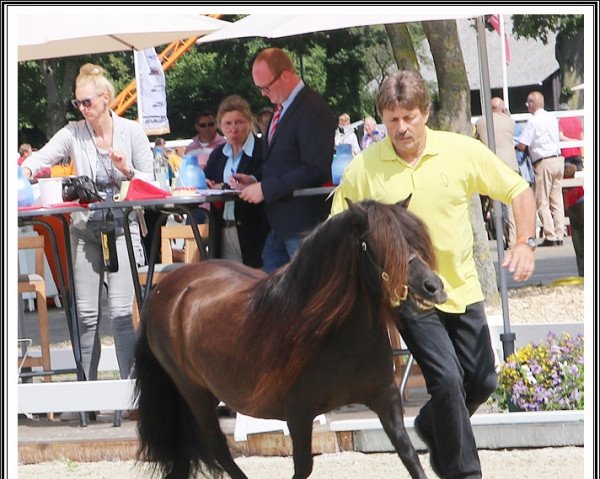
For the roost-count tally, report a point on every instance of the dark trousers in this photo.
(454, 352)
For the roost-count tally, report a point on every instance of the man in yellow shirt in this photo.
(442, 171)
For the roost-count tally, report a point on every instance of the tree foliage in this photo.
(337, 64)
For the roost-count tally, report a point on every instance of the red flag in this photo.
(494, 21)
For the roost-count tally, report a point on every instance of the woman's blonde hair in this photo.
(95, 75)
(235, 103)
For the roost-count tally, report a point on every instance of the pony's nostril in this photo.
(430, 286)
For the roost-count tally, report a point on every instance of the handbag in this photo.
(82, 188)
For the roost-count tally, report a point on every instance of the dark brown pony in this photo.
(308, 339)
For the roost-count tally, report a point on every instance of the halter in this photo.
(395, 296)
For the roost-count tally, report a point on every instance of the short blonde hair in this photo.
(95, 75)
(234, 103)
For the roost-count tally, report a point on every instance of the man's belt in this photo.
(546, 157)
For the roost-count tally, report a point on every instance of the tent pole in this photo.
(507, 338)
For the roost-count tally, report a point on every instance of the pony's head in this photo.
(419, 287)
(355, 266)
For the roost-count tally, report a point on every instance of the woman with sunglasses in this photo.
(109, 149)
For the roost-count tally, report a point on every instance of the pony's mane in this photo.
(293, 310)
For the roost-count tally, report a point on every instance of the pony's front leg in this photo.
(390, 412)
(301, 434)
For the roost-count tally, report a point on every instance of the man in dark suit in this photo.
(298, 155)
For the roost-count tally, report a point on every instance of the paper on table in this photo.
(203, 192)
(142, 190)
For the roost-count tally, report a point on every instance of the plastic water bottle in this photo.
(343, 156)
(25, 190)
(161, 169)
(190, 173)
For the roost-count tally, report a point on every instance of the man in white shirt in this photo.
(541, 136)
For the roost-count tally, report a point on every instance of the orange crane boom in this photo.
(167, 58)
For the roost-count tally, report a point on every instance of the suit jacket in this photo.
(504, 132)
(251, 223)
(298, 156)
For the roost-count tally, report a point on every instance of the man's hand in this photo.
(520, 260)
(252, 193)
(243, 179)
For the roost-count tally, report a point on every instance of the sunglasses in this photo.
(267, 88)
(204, 125)
(86, 102)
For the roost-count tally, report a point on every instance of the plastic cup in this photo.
(50, 191)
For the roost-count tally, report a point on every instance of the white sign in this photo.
(151, 92)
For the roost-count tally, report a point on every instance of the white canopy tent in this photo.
(55, 35)
(278, 25)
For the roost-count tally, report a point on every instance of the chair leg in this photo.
(43, 328)
(44, 334)
(135, 314)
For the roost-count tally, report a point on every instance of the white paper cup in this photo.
(50, 191)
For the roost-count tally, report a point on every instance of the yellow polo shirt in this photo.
(453, 167)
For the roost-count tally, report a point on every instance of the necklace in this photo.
(100, 156)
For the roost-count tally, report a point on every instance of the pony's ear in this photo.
(359, 213)
(405, 202)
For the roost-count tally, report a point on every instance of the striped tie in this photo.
(274, 122)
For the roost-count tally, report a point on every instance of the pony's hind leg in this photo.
(301, 434)
(390, 412)
(203, 404)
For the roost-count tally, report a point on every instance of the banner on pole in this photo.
(151, 92)
(494, 21)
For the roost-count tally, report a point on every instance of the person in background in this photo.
(570, 128)
(344, 134)
(574, 210)
(371, 133)
(207, 138)
(242, 231)
(504, 131)
(24, 151)
(174, 156)
(541, 137)
(451, 342)
(263, 117)
(298, 155)
(108, 149)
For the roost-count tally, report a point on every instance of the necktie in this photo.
(274, 121)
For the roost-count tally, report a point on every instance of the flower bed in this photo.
(543, 376)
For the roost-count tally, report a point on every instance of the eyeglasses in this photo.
(86, 102)
(267, 88)
(528, 102)
(204, 125)
(231, 124)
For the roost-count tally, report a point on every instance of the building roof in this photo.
(531, 62)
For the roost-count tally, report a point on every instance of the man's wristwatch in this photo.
(531, 242)
(130, 174)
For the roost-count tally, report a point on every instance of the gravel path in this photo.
(544, 304)
(564, 463)
(534, 304)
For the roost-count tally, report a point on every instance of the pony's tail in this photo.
(169, 435)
